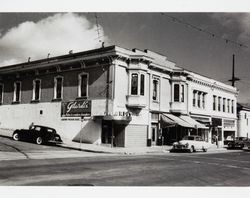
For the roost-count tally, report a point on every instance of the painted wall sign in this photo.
(76, 108)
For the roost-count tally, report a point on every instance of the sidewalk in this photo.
(126, 151)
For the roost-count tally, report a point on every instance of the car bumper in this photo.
(179, 148)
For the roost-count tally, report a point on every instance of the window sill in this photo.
(156, 101)
(34, 101)
(16, 102)
(56, 100)
(80, 98)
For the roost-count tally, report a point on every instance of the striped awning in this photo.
(171, 119)
(193, 122)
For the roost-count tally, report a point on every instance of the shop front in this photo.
(174, 128)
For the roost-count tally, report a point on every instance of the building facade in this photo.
(243, 112)
(116, 96)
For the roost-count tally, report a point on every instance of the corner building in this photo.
(116, 96)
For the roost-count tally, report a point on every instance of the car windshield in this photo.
(37, 128)
(188, 138)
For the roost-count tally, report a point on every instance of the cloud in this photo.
(56, 35)
(236, 22)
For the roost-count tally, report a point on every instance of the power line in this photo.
(189, 25)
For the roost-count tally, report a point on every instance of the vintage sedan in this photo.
(190, 143)
(38, 134)
(238, 143)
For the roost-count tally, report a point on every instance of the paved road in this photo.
(221, 169)
(27, 164)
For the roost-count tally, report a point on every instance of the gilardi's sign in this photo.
(77, 108)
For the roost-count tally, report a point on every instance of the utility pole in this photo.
(234, 79)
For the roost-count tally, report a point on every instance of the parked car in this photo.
(38, 134)
(190, 143)
(238, 143)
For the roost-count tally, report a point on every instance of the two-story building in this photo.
(116, 96)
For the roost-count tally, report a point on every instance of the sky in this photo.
(35, 35)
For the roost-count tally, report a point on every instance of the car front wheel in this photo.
(39, 140)
(204, 149)
(191, 150)
(16, 137)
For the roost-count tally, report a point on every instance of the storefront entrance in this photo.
(113, 133)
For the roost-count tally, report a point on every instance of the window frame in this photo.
(55, 88)
(34, 90)
(156, 79)
(80, 85)
(1, 94)
(131, 84)
(20, 91)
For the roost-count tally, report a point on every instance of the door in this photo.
(154, 133)
(119, 135)
(106, 132)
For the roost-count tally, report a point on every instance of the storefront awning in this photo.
(167, 122)
(193, 122)
(174, 119)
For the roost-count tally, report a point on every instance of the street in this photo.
(55, 166)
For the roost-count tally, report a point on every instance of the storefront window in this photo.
(134, 84)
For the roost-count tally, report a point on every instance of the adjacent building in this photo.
(243, 112)
(116, 96)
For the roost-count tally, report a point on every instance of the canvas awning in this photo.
(170, 118)
(193, 122)
(167, 122)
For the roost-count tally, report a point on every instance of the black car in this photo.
(38, 134)
(238, 143)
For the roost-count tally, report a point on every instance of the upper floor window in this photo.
(176, 93)
(219, 103)
(58, 87)
(232, 111)
(17, 91)
(194, 98)
(134, 84)
(155, 89)
(203, 100)
(142, 85)
(36, 89)
(224, 105)
(228, 105)
(83, 85)
(1, 93)
(182, 93)
(214, 102)
(199, 100)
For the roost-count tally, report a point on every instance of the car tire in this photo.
(16, 137)
(191, 150)
(204, 149)
(39, 140)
